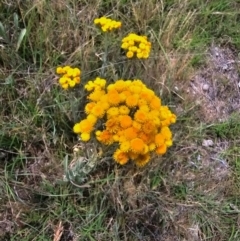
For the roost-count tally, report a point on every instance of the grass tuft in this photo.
(192, 193)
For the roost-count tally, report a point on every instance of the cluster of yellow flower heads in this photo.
(70, 76)
(136, 45)
(133, 117)
(107, 24)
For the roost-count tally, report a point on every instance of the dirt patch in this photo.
(216, 86)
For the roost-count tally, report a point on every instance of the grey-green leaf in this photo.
(3, 33)
(20, 38)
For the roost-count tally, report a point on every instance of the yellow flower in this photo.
(72, 83)
(89, 86)
(134, 43)
(100, 82)
(77, 128)
(85, 136)
(135, 89)
(77, 80)
(96, 95)
(63, 80)
(143, 136)
(120, 85)
(173, 119)
(148, 127)
(125, 121)
(107, 24)
(98, 111)
(159, 139)
(130, 133)
(124, 110)
(113, 97)
(168, 143)
(132, 100)
(137, 125)
(161, 149)
(146, 94)
(76, 72)
(123, 95)
(144, 108)
(142, 160)
(113, 111)
(125, 146)
(59, 70)
(112, 124)
(70, 76)
(155, 103)
(65, 86)
(165, 131)
(140, 55)
(141, 116)
(89, 106)
(120, 157)
(124, 45)
(152, 146)
(85, 126)
(137, 145)
(105, 137)
(92, 119)
(129, 54)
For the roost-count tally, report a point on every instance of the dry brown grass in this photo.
(192, 193)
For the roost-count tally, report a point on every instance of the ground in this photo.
(55, 187)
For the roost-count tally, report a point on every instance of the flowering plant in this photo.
(133, 118)
(126, 114)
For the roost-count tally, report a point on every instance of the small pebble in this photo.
(205, 87)
(207, 143)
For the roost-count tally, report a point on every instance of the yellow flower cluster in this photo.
(70, 76)
(133, 116)
(137, 46)
(107, 24)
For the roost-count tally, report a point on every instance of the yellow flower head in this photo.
(85, 136)
(113, 111)
(141, 116)
(112, 124)
(120, 85)
(136, 45)
(132, 116)
(105, 137)
(89, 106)
(137, 145)
(148, 127)
(85, 126)
(124, 110)
(132, 100)
(159, 139)
(113, 97)
(92, 119)
(125, 146)
(70, 76)
(125, 121)
(160, 150)
(130, 133)
(142, 160)
(155, 103)
(165, 131)
(98, 111)
(107, 24)
(120, 157)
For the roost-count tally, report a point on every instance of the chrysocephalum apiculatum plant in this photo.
(126, 115)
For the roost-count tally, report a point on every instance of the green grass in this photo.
(191, 193)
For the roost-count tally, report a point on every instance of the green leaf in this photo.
(20, 38)
(3, 33)
(15, 20)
